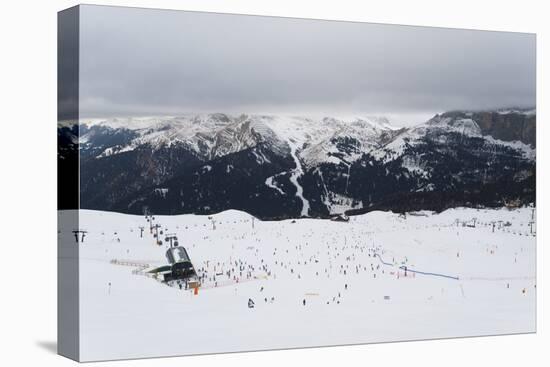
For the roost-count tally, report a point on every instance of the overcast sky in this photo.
(137, 62)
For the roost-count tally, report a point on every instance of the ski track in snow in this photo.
(297, 172)
(271, 184)
(347, 177)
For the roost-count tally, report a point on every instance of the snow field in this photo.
(351, 296)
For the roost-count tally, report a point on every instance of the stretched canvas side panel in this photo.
(67, 184)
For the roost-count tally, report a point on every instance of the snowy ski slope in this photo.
(459, 281)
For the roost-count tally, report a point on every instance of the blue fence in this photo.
(417, 271)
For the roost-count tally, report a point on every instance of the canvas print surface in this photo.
(237, 183)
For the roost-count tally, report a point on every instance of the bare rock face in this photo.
(510, 126)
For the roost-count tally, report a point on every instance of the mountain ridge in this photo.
(278, 167)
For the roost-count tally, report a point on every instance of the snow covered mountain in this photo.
(214, 135)
(278, 167)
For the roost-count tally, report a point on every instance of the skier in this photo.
(304, 301)
(250, 303)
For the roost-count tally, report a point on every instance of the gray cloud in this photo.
(150, 62)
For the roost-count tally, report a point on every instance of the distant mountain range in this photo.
(277, 167)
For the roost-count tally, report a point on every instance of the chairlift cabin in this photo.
(177, 254)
